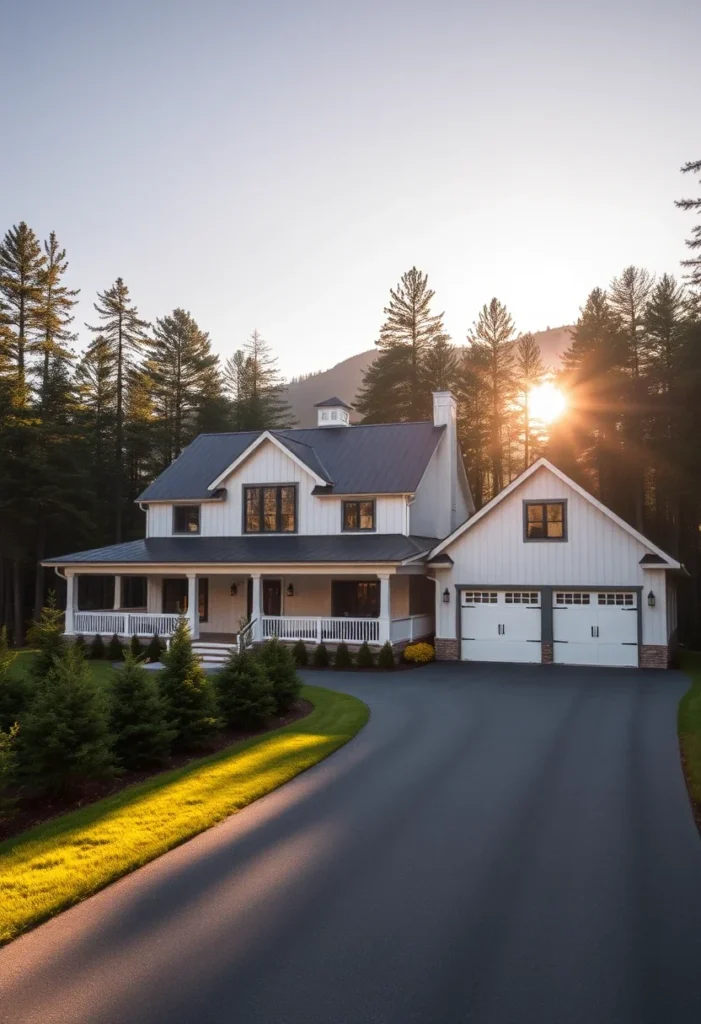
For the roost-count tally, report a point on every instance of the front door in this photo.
(272, 597)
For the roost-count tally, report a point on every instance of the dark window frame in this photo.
(187, 533)
(359, 528)
(127, 586)
(261, 510)
(544, 503)
(342, 598)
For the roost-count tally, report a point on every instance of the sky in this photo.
(278, 164)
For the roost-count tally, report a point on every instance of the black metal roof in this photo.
(651, 559)
(376, 547)
(335, 402)
(387, 458)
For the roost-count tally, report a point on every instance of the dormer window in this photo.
(270, 509)
(186, 519)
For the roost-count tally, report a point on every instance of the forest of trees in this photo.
(632, 378)
(81, 434)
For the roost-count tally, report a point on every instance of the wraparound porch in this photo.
(331, 607)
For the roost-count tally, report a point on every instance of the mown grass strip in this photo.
(61, 862)
(689, 728)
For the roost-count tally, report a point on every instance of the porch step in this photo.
(212, 653)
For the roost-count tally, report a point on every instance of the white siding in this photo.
(268, 465)
(597, 552)
(429, 516)
(671, 608)
(159, 521)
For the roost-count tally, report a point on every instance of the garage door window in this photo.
(479, 597)
(628, 600)
(572, 598)
(522, 597)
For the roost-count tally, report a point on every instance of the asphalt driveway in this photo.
(500, 845)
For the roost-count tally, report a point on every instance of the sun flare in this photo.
(546, 402)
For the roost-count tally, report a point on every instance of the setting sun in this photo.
(546, 402)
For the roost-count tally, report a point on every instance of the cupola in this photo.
(333, 413)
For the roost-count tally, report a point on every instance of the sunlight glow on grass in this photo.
(546, 402)
(61, 862)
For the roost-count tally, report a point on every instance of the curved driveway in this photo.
(500, 845)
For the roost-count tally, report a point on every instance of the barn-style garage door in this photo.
(500, 625)
(591, 628)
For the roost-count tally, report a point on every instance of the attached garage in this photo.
(545, 572)
(500, 625)
(595, 627)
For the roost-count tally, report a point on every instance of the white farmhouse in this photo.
(368, 532)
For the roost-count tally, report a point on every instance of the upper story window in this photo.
(186, 518)
(358, 515)
(270, 509)
(545, 520)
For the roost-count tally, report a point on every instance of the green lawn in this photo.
(21, 665)
(61, 862)
(689, 725)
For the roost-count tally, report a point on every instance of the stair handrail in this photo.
(245, 636)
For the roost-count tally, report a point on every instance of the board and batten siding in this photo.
(597, 552)
(269, 465)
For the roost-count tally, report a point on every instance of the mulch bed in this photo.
(34, 809)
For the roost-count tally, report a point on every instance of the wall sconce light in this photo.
(651, 600)
(234, 590)
(290, 590)
(446, 596)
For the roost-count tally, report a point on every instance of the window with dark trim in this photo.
(186, 518)
(358, 515)
(175, 597)
(134, 591)
(270, 509)
(357, 599)
(545, 520)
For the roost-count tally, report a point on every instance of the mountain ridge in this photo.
(344, 379)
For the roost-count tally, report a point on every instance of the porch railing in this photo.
(124, 623)
(316, 630)
(410, 628)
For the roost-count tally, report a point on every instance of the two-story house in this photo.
(352, 533)
(307, 533)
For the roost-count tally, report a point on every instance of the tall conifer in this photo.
(21, 267)
(493, 335)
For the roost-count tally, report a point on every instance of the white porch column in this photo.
(257, 607)
(117, 592)
(384, 607)
(71, 601)
(193, 604)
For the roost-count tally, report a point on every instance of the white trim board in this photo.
(542, 463)
(253, 446)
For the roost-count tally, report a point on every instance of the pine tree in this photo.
(53, 315)
(493, 335)
(278, 664)
(21, 268)
(693, 243)
(299, 653)
(473, 420)
(529, 374)
(364, 658)
(15, 691)
(183, 372)
(125, 333)
(97, 648)
(342, 657)
(64, 737)
(440, 366)
(628, 296)
(96, 379)
(254, 383)
(320, 658)
(155, 649)
(137, 717)
(115, 651)
(245, 693)
(191, 708)
(46, 634)
(385, 658)
(397, 385)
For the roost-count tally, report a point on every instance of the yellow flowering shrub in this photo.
(420, 654)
